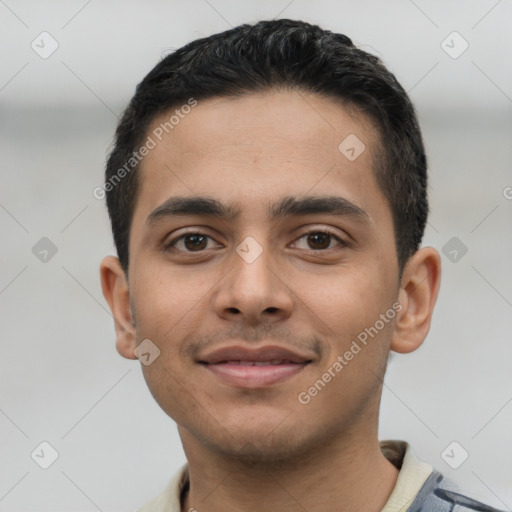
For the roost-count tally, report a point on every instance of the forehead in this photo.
(307, 124)
(258, 148)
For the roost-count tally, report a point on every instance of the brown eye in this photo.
(195, 242)
(189, 242)
(319, 240)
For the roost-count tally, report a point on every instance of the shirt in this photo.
(418, 488)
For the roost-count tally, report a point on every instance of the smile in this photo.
(253, 374)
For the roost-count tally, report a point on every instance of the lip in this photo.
(254, 367)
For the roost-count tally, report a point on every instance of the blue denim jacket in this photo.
(437, 495)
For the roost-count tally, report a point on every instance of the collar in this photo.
(413, 474)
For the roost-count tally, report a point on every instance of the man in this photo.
(268, 197)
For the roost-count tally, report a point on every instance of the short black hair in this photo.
(268, 55)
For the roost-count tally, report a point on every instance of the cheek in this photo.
(347, 380)
(166, 304)
(167, 301)
(352, 307)
(350, 300)
(170, 389)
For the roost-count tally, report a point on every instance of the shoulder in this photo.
(421, 488)
(439, 494)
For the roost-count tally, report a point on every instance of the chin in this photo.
(263, 451)
(260, 441)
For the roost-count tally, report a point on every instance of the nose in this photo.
(253, 291)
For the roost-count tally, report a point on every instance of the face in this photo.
(254, 293)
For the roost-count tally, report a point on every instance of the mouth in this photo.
(254, 368)
(254, 374)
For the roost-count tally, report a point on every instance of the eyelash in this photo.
(169, 246)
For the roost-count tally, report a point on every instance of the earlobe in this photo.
(418, 293)
(117, 294)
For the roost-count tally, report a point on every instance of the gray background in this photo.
(61, 380)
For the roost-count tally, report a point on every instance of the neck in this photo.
(350, 474)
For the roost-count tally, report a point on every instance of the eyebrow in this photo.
(288, 206)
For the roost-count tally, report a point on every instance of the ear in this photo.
(419, 288)
(115, 290)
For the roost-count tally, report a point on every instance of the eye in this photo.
(189, 242)
(321, 240)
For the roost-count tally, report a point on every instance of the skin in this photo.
(261, 449)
